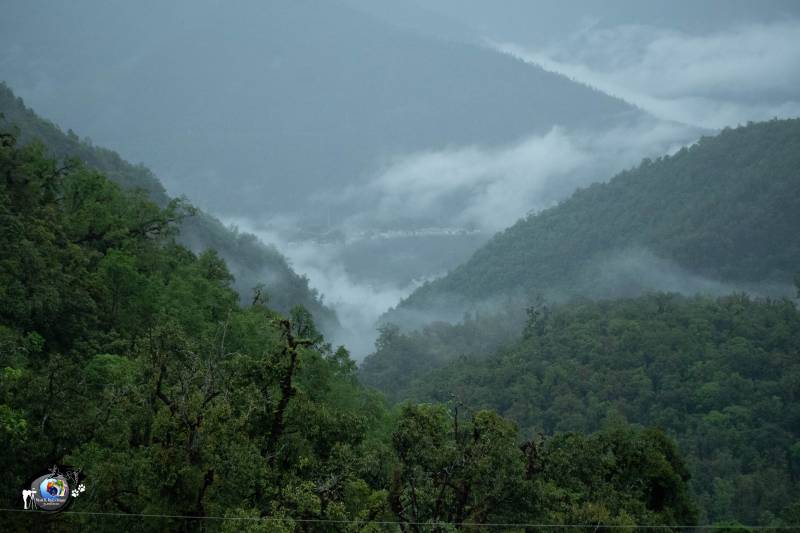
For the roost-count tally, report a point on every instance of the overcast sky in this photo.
(724, 78)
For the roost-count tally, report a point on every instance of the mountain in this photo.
(251, 262)
(720, 215)
(719, 375)
(130, 370)
(274, 106)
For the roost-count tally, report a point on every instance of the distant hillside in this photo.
(720, 215)
(274, 104)
(251, 261)
(722, 376)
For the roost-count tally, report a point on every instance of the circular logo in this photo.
(50, 492)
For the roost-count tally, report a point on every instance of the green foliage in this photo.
(450, 473)
(720, 375)
(128, 356)
(472, 470)
(595, 476)
(402, 357)
(251, 261)
(727, 208)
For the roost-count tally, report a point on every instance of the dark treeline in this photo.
(721, 376)
(126, 355)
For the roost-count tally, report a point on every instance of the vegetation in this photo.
(126, 350)
(128, 356)
(726, 209)
(721, 376)
(402, 357)
(251, 262)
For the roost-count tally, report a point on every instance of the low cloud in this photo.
(470, 191)
(723, 79)
(688, 84)
(358, 303)
(488, 189)
(617, 273)
(633, 271)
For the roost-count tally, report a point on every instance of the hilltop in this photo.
(720, 215)
(251, 262)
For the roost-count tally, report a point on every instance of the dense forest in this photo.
(429, 266)
(628, 357)
(720, 375)
(725, 211)
(130, 357)
(251, 261)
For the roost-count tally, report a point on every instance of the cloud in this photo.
(490, 188)
(484, 189)
(688, 83)
(723, 79)
(358, 303)
(632, 271)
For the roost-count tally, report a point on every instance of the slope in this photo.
(251, 262)
(128, 358)
(723, 213)
(721, 376)
(275, 105)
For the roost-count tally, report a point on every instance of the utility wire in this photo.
(389, 522)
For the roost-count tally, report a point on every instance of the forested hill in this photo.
(251, 262)
(721, 375)
(726, 210)
(128, 357)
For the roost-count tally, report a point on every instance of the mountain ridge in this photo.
(252, 262)
(415, 93)
(697, 209)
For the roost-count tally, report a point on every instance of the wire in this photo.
(388, 522)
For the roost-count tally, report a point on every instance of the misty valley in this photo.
(370, 265)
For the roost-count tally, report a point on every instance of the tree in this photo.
(455, 471)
